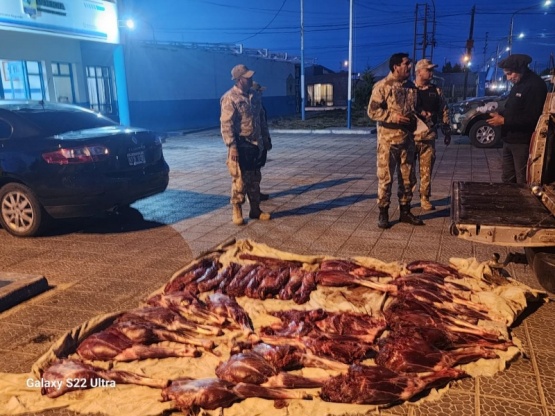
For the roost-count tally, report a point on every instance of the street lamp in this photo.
(545, 4)
(132, 25)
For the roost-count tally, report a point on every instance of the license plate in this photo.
(136, 158)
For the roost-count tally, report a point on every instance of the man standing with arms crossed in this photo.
(392, 105)
(431, 105)
(240, 129)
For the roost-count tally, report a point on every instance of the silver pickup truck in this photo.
(516, 215)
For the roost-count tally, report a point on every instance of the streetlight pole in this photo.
(511, 25)
(350, 71)
(121, 77)
(302, 63)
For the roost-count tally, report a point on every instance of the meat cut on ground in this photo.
(68, 375)
(379, 386)
(188, 395)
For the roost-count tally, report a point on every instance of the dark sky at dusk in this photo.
(380, 27)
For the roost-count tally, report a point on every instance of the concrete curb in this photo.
(324, 131)
(333, 130)
(17, 287)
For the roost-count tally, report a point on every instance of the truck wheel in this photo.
(544, 269)
(483, 135)
(20, 211)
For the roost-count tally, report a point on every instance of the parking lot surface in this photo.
(323, 201)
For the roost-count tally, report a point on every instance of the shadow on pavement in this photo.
(324, 205)
(174, 205)
(313, 187)
(159, 210)
(128, 220)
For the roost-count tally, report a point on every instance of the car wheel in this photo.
(20, 211)
(483, 135)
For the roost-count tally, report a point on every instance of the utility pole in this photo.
(350, 71)
(468, 55)
(486, 50)
(303, 101)
(424, 37)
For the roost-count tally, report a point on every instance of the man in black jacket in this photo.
(518, 120)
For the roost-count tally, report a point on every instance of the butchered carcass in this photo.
(237, 285)
(192, 273)
(432, 267)
(170, 320)
(188, 395)
(272, 283)
(308, 285)
(293, 284)
(317, 322)
(250, 367)
(288, 357)
(68, 375)
(112, 344)
(271, 262)
(222, 277)
(342, 336)
(228, 307)
(340, 278)
(406, 350)
(342, 348)
(189, 307)
(377, 385)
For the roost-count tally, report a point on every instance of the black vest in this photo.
(428, 100)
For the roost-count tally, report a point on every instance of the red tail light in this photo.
(85, 154)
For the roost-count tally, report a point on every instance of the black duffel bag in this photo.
(248, 155)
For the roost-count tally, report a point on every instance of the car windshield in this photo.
(52, 121)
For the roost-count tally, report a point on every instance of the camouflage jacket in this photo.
(390, 96)
(238, 118)
(431, 100)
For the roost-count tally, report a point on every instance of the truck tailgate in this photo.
(501, 214)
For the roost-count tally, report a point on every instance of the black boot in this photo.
(383, 218)
(408, 217)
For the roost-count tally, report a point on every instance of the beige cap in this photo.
(425, 64)
(241, 71)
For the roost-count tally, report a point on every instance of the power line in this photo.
(265, 27)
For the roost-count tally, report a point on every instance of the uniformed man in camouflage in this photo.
(392, 105)
(256, 99)
(240, 128)
(432, 107)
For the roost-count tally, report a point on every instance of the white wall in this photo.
(20, 46)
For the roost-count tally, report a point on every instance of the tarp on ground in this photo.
(19, 393)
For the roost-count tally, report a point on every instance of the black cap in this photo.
(516, 63)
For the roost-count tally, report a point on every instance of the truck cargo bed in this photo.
(500, 213)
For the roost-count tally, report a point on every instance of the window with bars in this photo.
(62, 75)
(101, 89)
(23, 80)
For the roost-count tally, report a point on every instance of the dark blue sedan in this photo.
(64, 161)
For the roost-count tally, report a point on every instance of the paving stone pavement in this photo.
(323, 201)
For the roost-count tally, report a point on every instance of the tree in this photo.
(363, 89)
(448, 68)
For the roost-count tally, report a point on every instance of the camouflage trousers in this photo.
(393, 158)
(244, 182)
(426, 156)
